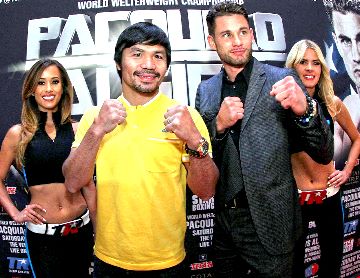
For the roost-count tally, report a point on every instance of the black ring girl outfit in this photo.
(55, 250)
(325, 208)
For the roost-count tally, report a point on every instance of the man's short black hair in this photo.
(142, 33)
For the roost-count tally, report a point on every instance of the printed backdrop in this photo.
(82, 35)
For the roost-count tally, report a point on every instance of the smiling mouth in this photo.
(147, 74)
(309, 77)
(48, 97)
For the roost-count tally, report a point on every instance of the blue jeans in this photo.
(105, 270)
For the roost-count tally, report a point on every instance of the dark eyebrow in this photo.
(225, 31)
(357, 38)
(138, 49)
(54, 77)
(343, 37)
(134, 48)
(240, 29)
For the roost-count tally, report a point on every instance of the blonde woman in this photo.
(59, 235)
(319, 185)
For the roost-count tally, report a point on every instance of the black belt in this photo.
(239, 201)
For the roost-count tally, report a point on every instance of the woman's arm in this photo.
(7, 156)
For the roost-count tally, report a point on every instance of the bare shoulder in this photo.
(340, 109)
(338, 103)
(344, 117)
(8, 149)
(13, 135)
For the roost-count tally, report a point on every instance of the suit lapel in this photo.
(256, 84)
(214, 96)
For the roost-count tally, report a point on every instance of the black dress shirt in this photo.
(238, 88)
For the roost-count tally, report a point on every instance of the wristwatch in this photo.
(201, 151)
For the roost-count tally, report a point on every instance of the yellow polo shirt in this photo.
(141, 184)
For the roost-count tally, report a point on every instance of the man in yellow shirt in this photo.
(146, 148)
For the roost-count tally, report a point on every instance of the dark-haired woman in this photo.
(59, 234)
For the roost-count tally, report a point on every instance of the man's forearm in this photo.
(202, 177)
(78, 168)
(89, 193)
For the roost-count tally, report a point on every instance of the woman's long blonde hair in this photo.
(30, 112)
(326, 92)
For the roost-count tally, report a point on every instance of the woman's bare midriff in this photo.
(60, 205)
(310, 175)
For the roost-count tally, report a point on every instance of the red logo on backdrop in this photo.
(348, 245)
(311, 270)
(197, 266)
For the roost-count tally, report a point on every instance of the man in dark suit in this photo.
(257, 115)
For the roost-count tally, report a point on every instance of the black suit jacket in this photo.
(267, 134)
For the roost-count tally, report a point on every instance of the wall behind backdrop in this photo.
(82, 34)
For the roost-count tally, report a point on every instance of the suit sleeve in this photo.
(209, 118)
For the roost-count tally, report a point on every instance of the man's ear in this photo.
(211, 42)
(118, 67)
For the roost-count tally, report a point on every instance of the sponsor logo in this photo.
(201, 275)
(350, 227)
(202, 257)
(18, 264)
(311, 270)
(202, 265)
(348, 245)
(312, 224)
(69, 228)
(11, 190)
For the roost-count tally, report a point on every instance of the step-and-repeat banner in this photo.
(82, 35)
